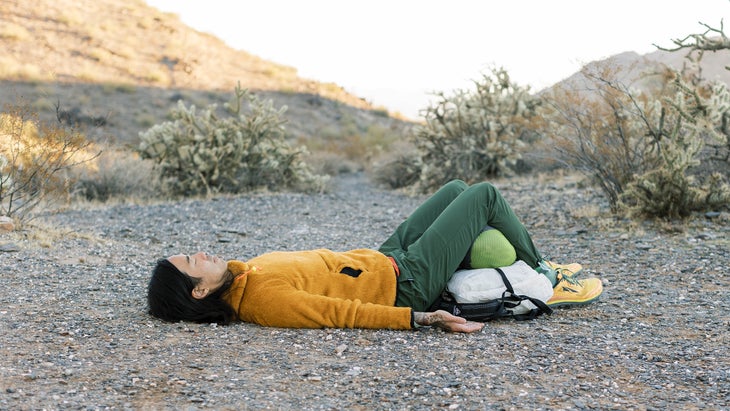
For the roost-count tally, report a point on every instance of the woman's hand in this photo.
(446, 321)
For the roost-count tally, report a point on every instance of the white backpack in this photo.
(486, 293)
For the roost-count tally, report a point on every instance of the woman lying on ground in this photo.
(392, 287)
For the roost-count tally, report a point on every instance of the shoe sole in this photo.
(563, 304)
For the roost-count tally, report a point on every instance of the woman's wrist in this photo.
(417, 319)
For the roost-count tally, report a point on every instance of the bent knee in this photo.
(456, 185)
(484, 186)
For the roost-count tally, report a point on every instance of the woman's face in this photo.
(210, 269)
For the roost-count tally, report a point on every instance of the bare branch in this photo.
(36, 155)
(712, 39)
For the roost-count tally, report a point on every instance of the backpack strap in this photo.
(505, 280)
(512, 300)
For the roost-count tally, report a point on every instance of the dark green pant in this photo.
(431, 243)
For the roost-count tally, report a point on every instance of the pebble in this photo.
(9, 248)
(6, 224)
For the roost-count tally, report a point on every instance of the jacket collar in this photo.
(240, 271)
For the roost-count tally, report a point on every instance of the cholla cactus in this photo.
(718, 114)
(669, 189)
(473, 135)
(201, 153)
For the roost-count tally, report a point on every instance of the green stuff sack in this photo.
(490, 250)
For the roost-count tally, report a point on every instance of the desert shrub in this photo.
(671, 189)
(402, 171)
(596, 131)
(375, 140)
(476, 134)
(13, 32)
(361, 146)
(711, 39)
(34, 160)
(10, 68)
(398, 167)
(718, 113)
(639, 145)
(206, 152)
(332, 164)
(113, 88)
(116, 174)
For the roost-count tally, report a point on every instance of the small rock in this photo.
(6, 224)
(9, 248)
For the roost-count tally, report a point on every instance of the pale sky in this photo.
(395, 53)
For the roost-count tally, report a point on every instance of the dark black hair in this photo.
(169, 297)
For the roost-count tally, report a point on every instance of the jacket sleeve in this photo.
(282, 306)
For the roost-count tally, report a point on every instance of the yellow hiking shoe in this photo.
(570, 291)
(554, 271)
(571, 269)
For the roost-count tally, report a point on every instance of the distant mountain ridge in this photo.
(631, 65)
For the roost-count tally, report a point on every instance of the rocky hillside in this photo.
(121, 65)
(118, 67)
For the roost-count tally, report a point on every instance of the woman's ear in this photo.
(200, 293)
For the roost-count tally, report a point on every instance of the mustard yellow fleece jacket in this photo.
(316, 289)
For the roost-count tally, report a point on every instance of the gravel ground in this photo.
(75, 334)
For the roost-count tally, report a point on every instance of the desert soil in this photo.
(74, 332)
